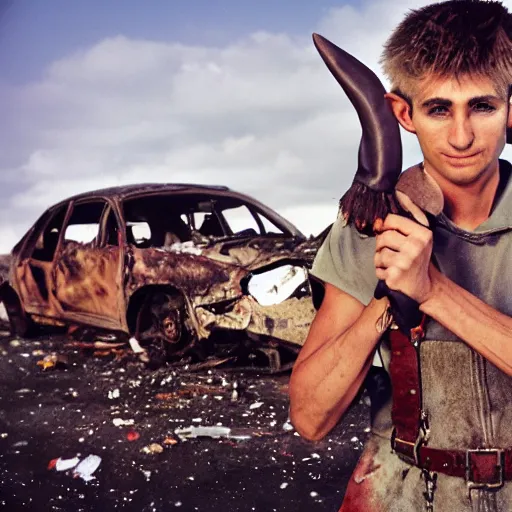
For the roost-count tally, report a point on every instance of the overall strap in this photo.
(409, 421)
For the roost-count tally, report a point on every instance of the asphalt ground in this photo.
(72, 409)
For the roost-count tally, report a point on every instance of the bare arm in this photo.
(333, 362)
(482, 327)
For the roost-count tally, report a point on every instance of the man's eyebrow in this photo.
(436, 101)
(486, 98)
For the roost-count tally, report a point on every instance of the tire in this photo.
(161, 326)
(19, 322)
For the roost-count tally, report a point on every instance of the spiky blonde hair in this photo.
(451, 39)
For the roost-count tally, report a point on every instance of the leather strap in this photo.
(486, 467)
(405, 379)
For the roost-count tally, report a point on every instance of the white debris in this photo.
(87, 467)
(287, 426)
(214, 432)
(256, 405)
(135, 345)
(313, 494)
(354, 439)
(178, 504)
(146, 473)
(367, 429)
(315, 455)
(3, 313)
(284, 485)
(113, 394)
(197, 420)
(65, 464)
(187, 247)
(119, 422)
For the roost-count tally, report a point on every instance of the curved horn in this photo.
(380, 149)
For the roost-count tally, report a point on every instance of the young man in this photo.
(450, 65)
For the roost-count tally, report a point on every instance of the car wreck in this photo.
(188, 271)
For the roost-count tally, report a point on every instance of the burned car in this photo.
(182, 269)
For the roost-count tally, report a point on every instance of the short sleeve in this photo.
(345, 260)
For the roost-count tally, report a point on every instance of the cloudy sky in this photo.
(232, 92)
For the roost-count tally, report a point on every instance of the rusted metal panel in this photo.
(287, 321)
(202, 279)
(86, 280)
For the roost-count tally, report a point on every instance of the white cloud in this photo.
(262, 115)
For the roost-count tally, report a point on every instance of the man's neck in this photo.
(468, 206)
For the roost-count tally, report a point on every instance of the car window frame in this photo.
(27, 252)
(108, 204)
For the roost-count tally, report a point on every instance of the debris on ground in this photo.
(113, 393)
(83, 469)
(152, 449)
(98, 345)
(132, 435)
(61, 464)
(148, 428)
(53, 360)
(137, 349)
(214, 432)
(87, 467)
(119, 422)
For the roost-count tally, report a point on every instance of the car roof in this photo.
(142, 189)
(148, 188)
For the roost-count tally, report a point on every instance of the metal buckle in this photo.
(500, 467)
(415, 448)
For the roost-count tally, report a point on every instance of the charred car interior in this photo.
(186, 272)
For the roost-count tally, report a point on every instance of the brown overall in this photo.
(466, 400)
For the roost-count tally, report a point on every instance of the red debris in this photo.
(132, 435)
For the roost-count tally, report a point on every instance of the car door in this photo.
(86, 277)
(33, 274)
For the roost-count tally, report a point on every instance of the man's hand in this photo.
(402, 256)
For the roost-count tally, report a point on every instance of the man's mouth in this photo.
(461, 159)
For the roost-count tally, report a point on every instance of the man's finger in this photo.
(392, 239)
(402, 224)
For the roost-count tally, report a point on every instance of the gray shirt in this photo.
(477, 260)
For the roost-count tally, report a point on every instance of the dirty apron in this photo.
(468, 400)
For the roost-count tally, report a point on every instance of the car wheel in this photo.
(19, 322)
(162, 326)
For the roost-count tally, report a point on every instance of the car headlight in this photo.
(276, 285)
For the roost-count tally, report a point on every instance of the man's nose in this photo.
(461, 134)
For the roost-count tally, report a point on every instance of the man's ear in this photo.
(402, 110)
(509, 119)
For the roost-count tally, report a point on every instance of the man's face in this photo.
(461, 128)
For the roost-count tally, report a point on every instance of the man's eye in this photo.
(483, 107)
(437, 111)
